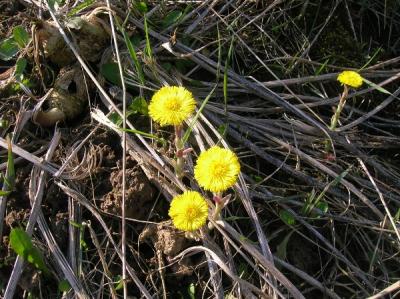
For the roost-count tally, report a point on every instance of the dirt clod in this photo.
(165, 237)
(89, 36)
(59, 225)
(67, 100)
(168, 241)
(139, 194)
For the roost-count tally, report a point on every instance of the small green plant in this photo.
(314, 201)
(141, 6)
(119, 283)
(287, 217)
(22, 244)
(64, 286)
(9, 47)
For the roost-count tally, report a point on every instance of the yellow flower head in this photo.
(350, 78)
(171, 105)
(217, 169)
(188, 211)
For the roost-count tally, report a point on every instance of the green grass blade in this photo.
(377, 87)
(148, 51)
(133, 55)
(322, 67)
(189, 130)
(80, 7)
(371, 59)
(144, 134)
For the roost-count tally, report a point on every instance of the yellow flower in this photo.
(217, 169)
(188, 211)
(350, 78)
(171, 105)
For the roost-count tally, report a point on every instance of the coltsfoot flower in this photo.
(171, 105)
(350, 78)
(188, 211)
(217, 169)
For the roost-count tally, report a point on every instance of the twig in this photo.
(123, 224)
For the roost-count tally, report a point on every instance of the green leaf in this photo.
(55, 4)
(8, 49)
(115, 118)
(287, 217)
(21, 37)
(397, 216)
(323, 206)
(119, 283)
(51, 3)
(139, 105)
(141, 6)
(64, 286)
(31, 296)
(110, 71)
(171, 18)
(21, 243)
(192, 291)
(35, 257)
(4, 123)
(4, 193)
(80, 7)
(75, 224)
(20, 67)
(83, 243)
(257, 178)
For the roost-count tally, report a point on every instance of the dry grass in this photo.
(270, 68)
